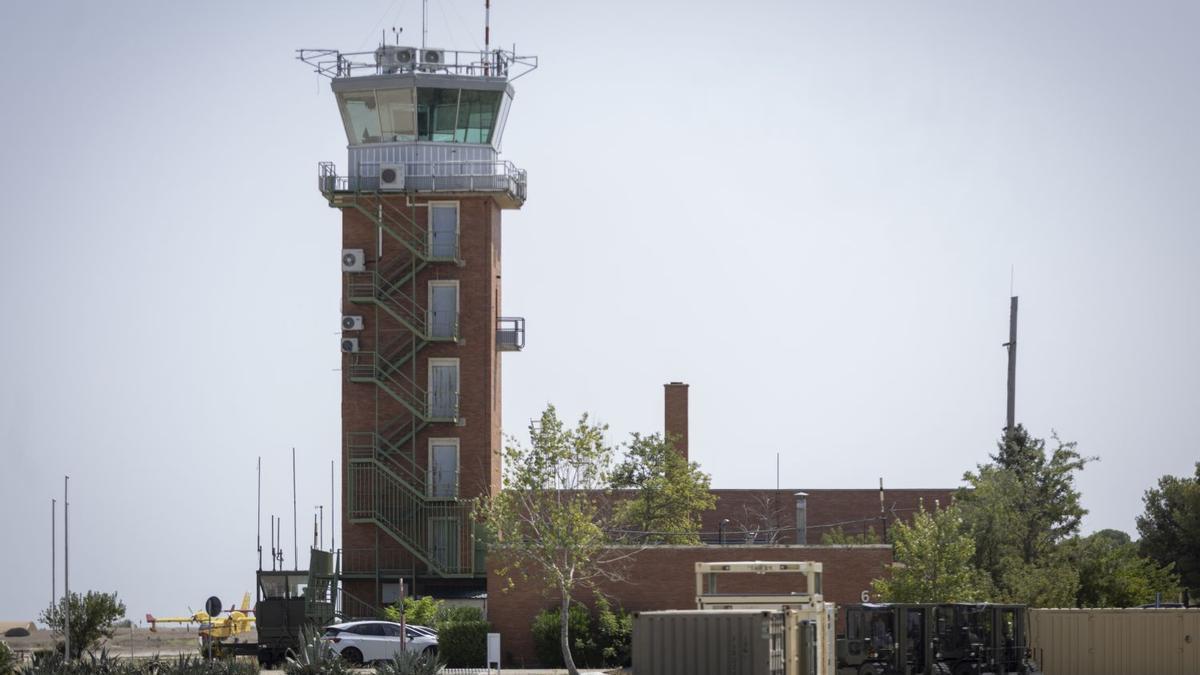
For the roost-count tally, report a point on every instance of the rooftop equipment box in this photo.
(708, 642)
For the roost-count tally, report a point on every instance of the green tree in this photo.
(551, 521)
(669, 493)
(1019, 509)
(91, 616)
(933, 560)
(1170, 527)
(839, 537)
(1112, 574)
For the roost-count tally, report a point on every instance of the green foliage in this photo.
(614, 632)
(8, 660)
(411, 663)
(52, 663)
(669, 493)
(603, 640)
(447, 614)
(839, 537)
(91, 615)
(463, 644)
(546, 635)
(1170, 527)
(315, 657)
(1019, 510)
(933, 560)
(1112, 574)
(550, 524)
(417, 611)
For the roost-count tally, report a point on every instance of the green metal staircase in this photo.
(387, 485)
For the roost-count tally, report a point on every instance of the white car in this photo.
(366, 641)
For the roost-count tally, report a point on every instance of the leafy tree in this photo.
(671, 493)
(550, 522)
(839, 537)
(933, 560)
(91, 616)
(1019, 509)
(1170, 527)
(1112, 574)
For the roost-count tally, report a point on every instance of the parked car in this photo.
(365, 641)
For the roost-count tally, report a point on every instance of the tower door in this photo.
(443, 542)
(443, 388)
(443, 229)
(443, 468)
(443, 309)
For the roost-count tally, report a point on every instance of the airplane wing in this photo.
(198, 617)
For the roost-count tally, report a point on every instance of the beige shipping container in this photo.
(708, 642)
(1116, 641)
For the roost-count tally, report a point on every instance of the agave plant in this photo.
(8, 660)
(411, 663)
(315, 657)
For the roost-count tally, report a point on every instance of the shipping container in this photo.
(708, 642)
(1116, 641)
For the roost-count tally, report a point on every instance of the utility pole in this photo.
(53, 552)
(1011, 421)
(66, 570)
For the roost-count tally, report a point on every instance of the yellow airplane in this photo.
(218, 627)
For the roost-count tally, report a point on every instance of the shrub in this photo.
(455, 614)
(463, 644)
(410, 663)
(614, 631)
(546, 637)
(603, 640)
(316, 657)
(92, 618)
(8, 660)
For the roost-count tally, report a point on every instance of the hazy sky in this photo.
(807, 211)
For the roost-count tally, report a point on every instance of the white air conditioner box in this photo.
(352, 322)
(392, 59)
(354, 260)
(349, 345)
(432, 59)
(391, 176)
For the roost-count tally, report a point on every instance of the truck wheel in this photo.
(352, 655)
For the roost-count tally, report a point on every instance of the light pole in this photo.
(66, 570)
(724, 522)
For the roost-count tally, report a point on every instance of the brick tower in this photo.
(422, 330)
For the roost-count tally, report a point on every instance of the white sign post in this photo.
(493, 651)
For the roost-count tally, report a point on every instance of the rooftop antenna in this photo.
(295, 538)
(272, 517)
(424, 22)
(332, 507)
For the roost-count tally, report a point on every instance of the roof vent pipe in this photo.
(801, 518)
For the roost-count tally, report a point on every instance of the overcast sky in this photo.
(809, 212)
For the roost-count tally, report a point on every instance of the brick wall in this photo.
(664, 578)
(366, 408)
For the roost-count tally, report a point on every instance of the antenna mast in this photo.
(1012, 371)
(424, 22)
(258, 515)
(295, 537)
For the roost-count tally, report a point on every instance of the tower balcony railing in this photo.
(397, 60)
(433, 177)
(510, 333)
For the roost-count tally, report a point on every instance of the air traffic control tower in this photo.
(422, 328)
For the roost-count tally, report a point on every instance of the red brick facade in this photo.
(675, 415)
(366, 408)
(664, 578)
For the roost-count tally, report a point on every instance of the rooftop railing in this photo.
(396, 60)
(450, 176)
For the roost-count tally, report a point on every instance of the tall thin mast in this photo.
(53, 552)
(258, 516)
(1011, 420)
(295, 536)
(66, 570)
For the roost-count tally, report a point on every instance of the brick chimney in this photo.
(675, 418)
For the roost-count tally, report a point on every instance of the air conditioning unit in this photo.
(350, 345)
(432, 59)
(354, 260)
(393, 59)
(352, 323)
(391, 176)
